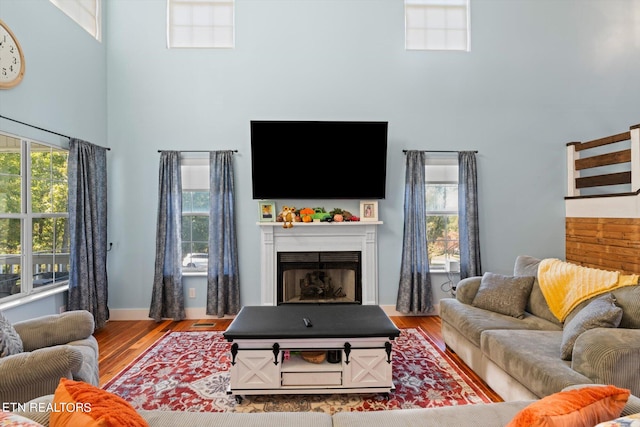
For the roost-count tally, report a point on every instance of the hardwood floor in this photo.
(120, 342)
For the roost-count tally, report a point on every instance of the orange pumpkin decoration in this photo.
(306, 213)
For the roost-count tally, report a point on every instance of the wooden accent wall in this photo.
(606, 243)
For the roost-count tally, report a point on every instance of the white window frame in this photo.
(208, 24)
(437, 25)
(442, 170)
(195, 177)
(28, 291)
(86, 13)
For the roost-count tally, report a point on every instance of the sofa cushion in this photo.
(10, 341)
(601, 312)
(91, 407)
(537, 304)
(531, 358)
(471, 321)
(628, 298)
(485, 415)
(584, 407)
(504, 294)
(159, 418)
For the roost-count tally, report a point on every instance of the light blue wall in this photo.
(540, 74)
(63, 90)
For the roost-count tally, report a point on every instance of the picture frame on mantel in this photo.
(368, 210)
(267, 211)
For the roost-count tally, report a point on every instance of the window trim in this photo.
(441, 161)
(26, 216)
(194, 183)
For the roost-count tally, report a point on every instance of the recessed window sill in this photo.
(34, 296)
(194, 274)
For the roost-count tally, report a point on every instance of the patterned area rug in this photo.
(189, 371)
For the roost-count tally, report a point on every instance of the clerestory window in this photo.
(200, 23)
(85, 13)
(436, 24)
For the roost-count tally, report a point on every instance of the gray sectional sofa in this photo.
(479, 415)
(520, 358)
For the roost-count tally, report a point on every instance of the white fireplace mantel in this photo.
(319, 236)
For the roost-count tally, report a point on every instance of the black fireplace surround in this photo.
(319, 277)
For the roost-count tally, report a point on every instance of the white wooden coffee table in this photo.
(263, 336)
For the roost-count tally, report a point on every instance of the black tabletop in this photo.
(327, 320)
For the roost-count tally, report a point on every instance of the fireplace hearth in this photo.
(333, 277)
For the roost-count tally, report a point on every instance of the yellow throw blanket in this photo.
(565, 285)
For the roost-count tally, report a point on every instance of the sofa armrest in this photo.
(55, 329)
(31, 374)
(609, 356)
(466, 289)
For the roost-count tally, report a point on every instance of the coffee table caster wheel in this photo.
(239, 399)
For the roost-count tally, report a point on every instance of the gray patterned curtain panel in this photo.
(167, 299)
(468, 215)
(87, 174)
(414, 290)
(223, 285)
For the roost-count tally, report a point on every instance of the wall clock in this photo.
(11, 58)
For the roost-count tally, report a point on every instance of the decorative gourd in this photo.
(306, 214)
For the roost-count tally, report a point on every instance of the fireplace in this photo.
(319, 237)
(333, 277)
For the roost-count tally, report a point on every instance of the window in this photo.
(200, 23)
(34, 233)
(442, 213)
(436, 24)
(195, 215)
(85, 12)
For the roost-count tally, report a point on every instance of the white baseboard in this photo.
(200, 313)
(143, 314)
(391, 311)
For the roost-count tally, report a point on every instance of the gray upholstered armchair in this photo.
(54, 346)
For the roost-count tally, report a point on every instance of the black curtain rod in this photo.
(439, 151)
(197, 151)
(42, 129)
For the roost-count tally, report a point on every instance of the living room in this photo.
(537, 75)
(518, 96)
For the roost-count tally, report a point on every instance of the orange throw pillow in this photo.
(586, 407)
(80, 404)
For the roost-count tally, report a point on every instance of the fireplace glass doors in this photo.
(319, 277)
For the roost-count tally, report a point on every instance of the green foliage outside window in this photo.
(442, 223)
(46, 216)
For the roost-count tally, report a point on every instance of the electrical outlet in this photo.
(192, 292)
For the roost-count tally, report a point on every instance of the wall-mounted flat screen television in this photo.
(319, 159)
